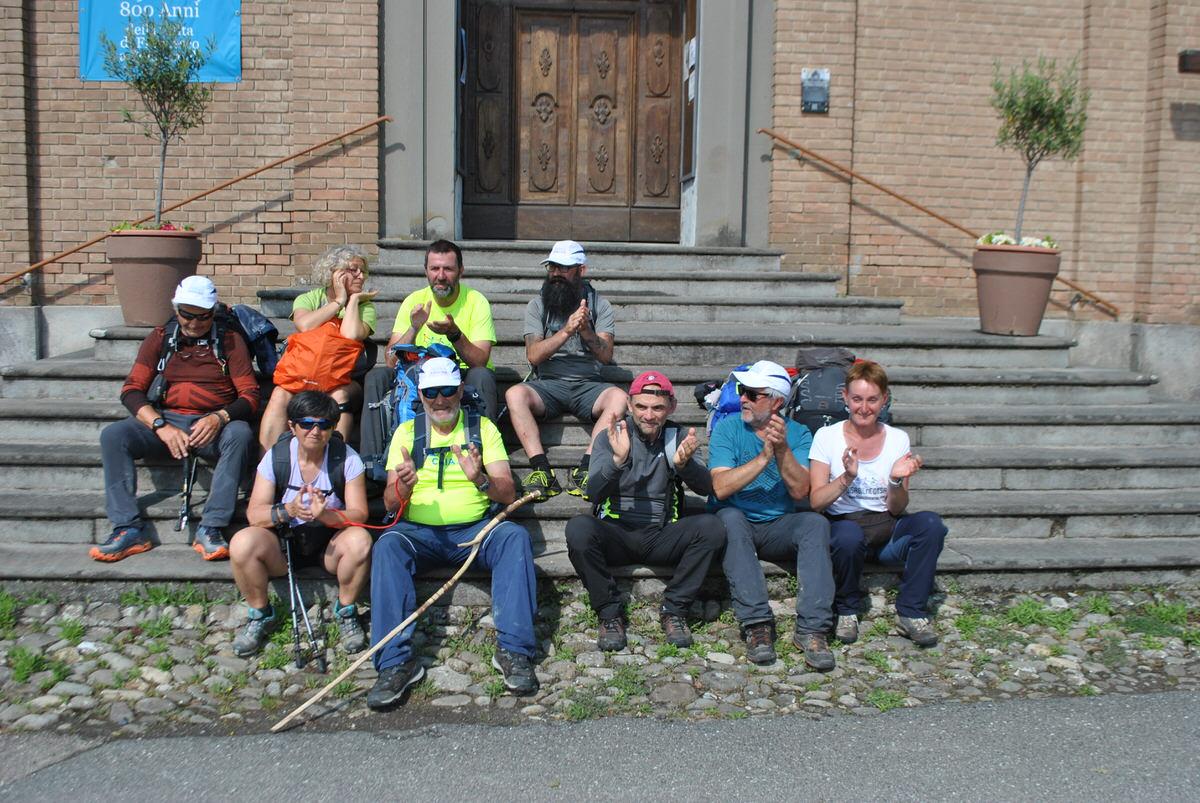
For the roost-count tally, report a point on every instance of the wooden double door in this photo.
(571, 120)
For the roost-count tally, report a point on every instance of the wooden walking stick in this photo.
(474, 543)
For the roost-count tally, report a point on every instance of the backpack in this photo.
(817, 399)
(281, 462)
(259, 334)
(720, 399)
(673, 508)
(402, 402)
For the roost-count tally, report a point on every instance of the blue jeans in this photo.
(408, 549)
(916, 543)
(125, 441)
(799, 537)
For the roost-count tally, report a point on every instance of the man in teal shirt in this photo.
(759, 466)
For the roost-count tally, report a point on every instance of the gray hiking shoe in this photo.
(255, 633)
(760, 643)
(847, 628)
(918, 630)
(393, 682)
(816, 650)
(353, 637)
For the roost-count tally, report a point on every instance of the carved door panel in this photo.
(589, 146)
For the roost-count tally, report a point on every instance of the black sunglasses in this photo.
(750, 393)
(194, 316)
(445, 391)
(306, 424)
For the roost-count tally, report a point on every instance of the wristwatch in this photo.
(483, 487)
(158, 423)
(454, 338)
(895, 483)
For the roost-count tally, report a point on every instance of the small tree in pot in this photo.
(161, 65)
(1043, 112)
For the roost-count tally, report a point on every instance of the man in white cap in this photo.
(759, 465)
(192, 389)
(444, 478)
(569, 331)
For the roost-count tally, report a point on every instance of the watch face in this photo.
(159, 423)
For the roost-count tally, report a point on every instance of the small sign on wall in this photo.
(203, 20)
(814, 90)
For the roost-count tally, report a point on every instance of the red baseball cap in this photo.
(652, 378)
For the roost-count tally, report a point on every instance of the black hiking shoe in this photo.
(760, 643)
(544, 482)
(393, 682)
(675, 629)
(517, 669)
(577, 481)
(612, 635)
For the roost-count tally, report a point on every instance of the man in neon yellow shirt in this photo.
(451, 313)
(446, 488)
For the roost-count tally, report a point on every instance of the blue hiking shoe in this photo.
(210, 544)
(123, 542)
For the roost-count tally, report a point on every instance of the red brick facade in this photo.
(910, 92)
(909, 108)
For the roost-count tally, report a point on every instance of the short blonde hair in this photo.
(333, 260)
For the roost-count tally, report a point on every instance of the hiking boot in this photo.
(544, 482)
(255, 633)
(577, 481)
(352, 635)
(816, 650)
(760, 643)
(517, 670)
(847, 628)
(123, 542)
(918, 630)
(393, 682)
(612, 635)
(210, 544)
(675, 629)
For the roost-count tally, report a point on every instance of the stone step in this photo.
(509, 308)
(940, 343)
(64, 378)
(72, 467)
(33, 517)
(639, 258)
(178, 563)
(1163, 424)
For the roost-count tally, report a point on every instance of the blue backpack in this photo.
(720, 400)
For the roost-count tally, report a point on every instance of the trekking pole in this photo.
(297, 600)
(189, 478)
(474, 543)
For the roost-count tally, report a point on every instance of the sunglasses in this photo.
(194, 316)
(750, 393)
(306, 424)
(554, 267)
(446, 391)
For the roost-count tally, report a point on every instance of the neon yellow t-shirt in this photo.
(458, 501)
(472, 313)
(316, 298)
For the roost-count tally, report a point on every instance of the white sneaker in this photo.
(847, 629)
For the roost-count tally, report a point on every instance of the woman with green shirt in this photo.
(338, 277)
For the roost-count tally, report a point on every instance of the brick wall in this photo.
(15, 246)
(309, 71)
(910, 109)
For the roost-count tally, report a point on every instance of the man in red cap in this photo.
(638, 467)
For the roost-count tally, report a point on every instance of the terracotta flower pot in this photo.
(1013, 285)
(147, 267)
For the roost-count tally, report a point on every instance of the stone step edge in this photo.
(593, 248)
(180, 563)
(623, 298)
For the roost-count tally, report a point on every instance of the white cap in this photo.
(196, 291)
(767, 375)
(566, 252)
(439, 372)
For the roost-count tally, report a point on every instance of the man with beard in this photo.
(759, 464)
(635, 483)
(568, 335)
(451, 313)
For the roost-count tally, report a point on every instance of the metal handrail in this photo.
(384, 119)
(1096, 300)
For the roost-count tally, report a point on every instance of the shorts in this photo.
(308, 544)
(575, 395)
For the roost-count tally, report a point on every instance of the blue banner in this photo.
(202, 20)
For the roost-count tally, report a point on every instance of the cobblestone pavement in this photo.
(160, 661)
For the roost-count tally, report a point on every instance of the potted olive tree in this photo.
(161, 65)
(1043, 112)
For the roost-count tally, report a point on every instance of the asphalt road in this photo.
(1129, 747)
